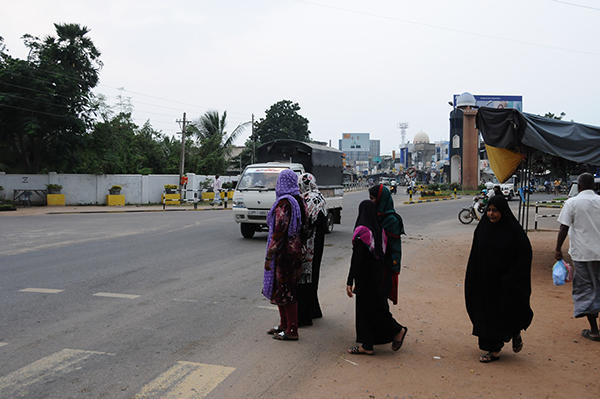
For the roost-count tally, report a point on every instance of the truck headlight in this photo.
(238, 204)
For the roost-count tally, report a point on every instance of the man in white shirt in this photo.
(217, 190)
(580, 219)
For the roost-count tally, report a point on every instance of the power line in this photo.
(445, 28)
(32, 110)
(576, 5)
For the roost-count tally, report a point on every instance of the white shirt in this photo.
(217, 185)
(582, 214)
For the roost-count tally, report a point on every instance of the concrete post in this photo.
(470, 158)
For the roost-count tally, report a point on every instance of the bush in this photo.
(116, 188)
(433, 187)
(53, 188)
(426, 193)
(444, 187)
(455, 186)
(170, 186)
(480, 187)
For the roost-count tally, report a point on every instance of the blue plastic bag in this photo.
(559, 273)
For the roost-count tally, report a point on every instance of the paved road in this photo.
(139, 305)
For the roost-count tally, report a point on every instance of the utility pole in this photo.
(182, 160)
(253, 140)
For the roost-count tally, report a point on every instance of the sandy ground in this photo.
(439, 358)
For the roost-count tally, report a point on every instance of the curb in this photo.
(429, 200)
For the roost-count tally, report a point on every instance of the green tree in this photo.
(214, 143)
(281, 121)
(45, 100)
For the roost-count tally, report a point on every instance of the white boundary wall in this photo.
(92, 189)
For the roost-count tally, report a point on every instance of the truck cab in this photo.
(255, 194)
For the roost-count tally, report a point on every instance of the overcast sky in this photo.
(353, 66)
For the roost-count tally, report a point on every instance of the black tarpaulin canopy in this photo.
(510, 130)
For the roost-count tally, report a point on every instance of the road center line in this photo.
(41, 290)
(185, 380)
(16, 384)
(3, 343)
(186, 300)
(115, 295)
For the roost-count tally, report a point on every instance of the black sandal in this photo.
(282, 336)
(488, 358)
(355, 350)
(517, 343)
(398, 344)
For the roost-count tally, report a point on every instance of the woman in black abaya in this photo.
(374, 322)
(498, 280)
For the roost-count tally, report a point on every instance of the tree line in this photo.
(51, 120)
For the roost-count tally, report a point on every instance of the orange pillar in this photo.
(470, 153)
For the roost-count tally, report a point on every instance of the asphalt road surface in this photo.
(153, 305)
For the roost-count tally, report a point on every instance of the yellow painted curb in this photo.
(170, 199)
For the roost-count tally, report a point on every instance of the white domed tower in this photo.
(421, 138)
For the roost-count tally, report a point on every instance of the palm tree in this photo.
(215, 143)
(211, 127)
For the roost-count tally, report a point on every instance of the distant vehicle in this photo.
(507, 188)
(255, 191)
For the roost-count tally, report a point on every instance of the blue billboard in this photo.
(515, 102)
(355, 142)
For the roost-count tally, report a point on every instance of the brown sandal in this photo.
(283, 336)
(275, 330)
(398, 344)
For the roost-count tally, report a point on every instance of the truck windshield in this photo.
(259, 179)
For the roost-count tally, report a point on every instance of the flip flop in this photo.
(488, 358)
(517, 344)
(355, 350)
(398, 344)
(588, 334)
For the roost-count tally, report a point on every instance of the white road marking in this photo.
(3, 343)
(115, 295)
(185, 380)
(16, 384)
(41, 290)
(350, 361)
(268, 307)
(185, 300)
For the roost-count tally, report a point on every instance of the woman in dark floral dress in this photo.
(283, 260)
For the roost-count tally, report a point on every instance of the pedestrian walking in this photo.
(498, 280)
(313, 244)
(366, 278)
(217, 184)
(393, 226)
(283, 260)
(580, 219)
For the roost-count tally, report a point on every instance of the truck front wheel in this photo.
(329, 222)
(247, 230)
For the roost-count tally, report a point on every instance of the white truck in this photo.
(507, 188)
(255, 191)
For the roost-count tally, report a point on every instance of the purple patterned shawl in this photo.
(287, 187)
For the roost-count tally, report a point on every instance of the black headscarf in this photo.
(367, 216)
(498, 277)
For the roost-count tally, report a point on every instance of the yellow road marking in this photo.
(115, 295)
(185, 380)
(41, 290)
(60, 363)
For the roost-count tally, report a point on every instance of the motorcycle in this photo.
(475, 211)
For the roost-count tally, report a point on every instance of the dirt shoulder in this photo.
(439, 358)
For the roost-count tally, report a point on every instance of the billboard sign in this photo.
(515, 102)
(353, 142)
